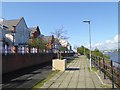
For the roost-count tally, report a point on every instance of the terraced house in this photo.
(35, 32)
(16, 32)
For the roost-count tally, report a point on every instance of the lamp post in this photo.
(88, 21)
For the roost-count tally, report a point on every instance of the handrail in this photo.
(109, 70)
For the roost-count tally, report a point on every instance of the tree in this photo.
(97, 53)
(62, 48)
(80, 50)
(58, 33)
(38, 42)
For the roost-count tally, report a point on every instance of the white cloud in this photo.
(109, 41)
(106, 45)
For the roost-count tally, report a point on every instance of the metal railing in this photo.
(111, 69)
(31, 50)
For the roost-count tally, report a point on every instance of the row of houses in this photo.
(17, 33)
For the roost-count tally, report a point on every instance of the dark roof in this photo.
(11, 23)
(34, 29)
(47, 38)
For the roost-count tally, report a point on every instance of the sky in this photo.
(50, 16)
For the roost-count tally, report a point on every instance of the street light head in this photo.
(87, 21)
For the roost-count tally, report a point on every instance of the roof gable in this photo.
(47, 38)
(11, 23)
(34, 29)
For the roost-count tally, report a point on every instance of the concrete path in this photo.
(77, 75)
(27, 77)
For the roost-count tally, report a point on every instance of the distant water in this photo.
(114, 56)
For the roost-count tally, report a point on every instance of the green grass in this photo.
(88, 69)
(41, 83)
(93, 69)
(105, 86)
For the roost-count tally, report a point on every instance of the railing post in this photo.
(91, 60)
(104, 67)
(112, 74)
(99, 64)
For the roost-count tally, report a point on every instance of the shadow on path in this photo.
(29, 75)
(72, 69)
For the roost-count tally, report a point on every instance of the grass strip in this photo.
(41, 83)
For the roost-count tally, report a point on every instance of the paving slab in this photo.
(77, 75)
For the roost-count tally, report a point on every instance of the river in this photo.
(114, 56)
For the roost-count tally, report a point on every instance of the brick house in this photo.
(35, 32)
(49, 40)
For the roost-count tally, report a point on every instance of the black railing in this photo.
(111, 69)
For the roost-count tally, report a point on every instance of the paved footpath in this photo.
(77, 75)
(27, 77)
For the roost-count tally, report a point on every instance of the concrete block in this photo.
(58, 64)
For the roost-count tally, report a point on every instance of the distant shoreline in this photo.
(114, 56)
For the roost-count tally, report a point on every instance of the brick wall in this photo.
(12, 62)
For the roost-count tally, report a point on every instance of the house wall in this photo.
(22, 33)
(1, 39)
(4, 31)
(6, 34)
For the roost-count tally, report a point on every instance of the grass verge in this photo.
(105, 86)
(41, 83)
(93, 69)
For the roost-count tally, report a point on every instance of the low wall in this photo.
(67, 54)
(12, 62)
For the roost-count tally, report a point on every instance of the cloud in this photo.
(106, 45)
